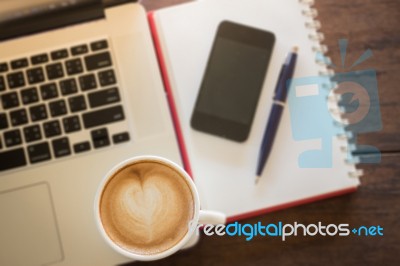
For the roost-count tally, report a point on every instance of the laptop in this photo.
(80, 91)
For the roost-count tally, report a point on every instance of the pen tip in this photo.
(295, 49)
(257, 179)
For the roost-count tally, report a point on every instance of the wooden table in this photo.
(373, 24)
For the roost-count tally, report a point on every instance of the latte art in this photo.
(145, 208)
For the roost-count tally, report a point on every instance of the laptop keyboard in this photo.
(59, 103)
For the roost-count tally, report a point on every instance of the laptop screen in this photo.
(20, 18)
(14, 10)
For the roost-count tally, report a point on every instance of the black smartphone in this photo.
(232, 81)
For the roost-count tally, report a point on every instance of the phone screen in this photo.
(232, 81)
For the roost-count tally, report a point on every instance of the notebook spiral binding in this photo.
(313, 25)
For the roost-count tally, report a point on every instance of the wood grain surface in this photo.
(367, 24)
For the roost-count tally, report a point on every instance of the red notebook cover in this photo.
(181, 140)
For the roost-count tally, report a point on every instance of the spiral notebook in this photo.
(224, 170)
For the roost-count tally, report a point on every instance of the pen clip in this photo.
(286, 74)
(279, 79)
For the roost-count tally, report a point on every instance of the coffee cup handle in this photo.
(211, 217)
(205, 217)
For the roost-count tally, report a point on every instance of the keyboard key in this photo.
(61, 147)
(103, 97)
(49, 91)
(59, 54)
(107, 77)
(29, 95)
(97, 61)
(71, 124)
(12, 159)
(39, 152)
(9, 100)
(39, 59)
(82, 147)
(100, 138)
(104, 116)
(99, 45)
(74, 66)
(12, 138)
(18, 117)
(15, 80)
(87, 82)
(3, 67)
(121, 137)
(2, 84)
(79, 49)
(35, 75)
(68, 86)
(38, 112)
(32, 133)
(52, 128)
(77, 103)
(58, 108)
(54, 71)
(19, 63)
(3, 121)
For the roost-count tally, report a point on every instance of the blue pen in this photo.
(279, 100)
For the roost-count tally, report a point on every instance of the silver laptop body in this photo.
(74, 101)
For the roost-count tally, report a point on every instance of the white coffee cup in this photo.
(191, 236)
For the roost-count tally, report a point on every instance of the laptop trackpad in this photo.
(28, 227)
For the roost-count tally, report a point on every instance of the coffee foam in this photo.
(146, 207)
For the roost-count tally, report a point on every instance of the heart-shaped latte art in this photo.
(148, 203)
(147, 209)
